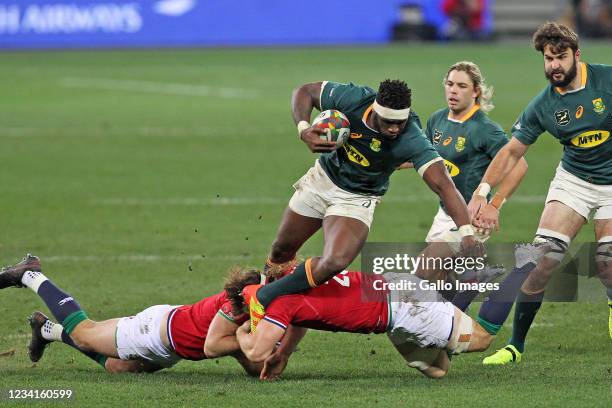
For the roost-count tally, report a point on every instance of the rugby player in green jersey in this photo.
(575, 109)
(339, 194)
(467, 139)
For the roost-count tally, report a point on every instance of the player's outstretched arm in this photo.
(502, 164)
(259, 345)
(487, 216)
(221, 338)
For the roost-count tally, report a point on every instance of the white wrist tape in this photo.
(466, 230)
(483, 189)
(301, 126)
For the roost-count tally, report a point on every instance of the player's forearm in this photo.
(221, 346)
(505, 160)
(439, 181)
(511, 182)
(291, 339)
(303, 100)
(455, 206)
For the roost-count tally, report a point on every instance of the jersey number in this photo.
(342, 280)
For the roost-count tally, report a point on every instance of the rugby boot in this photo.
(506, 355)
(256, 309)
(11, 275)
(37, 345)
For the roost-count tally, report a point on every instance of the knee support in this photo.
(553, 244)
(604, 249)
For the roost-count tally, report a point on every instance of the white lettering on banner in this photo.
(71, 18)
(9, 19)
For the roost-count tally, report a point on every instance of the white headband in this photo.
(391, 114)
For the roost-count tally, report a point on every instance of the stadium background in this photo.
(141, 175)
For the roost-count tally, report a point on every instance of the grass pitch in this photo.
(139, 177)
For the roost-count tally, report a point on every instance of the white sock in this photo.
(52, 331)
(33, 280)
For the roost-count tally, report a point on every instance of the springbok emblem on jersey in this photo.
(598, 105)
(375, 145)
(460, 144)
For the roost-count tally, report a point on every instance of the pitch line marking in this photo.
(143, 258)
(227, 201)
(165, 88)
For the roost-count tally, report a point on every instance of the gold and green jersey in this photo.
(581, 120)
(467, 145)
(365, 162)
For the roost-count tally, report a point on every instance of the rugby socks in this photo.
(63, 306)
(496, 307)
(52, 331)
(55, 332)
(527, 307)
(298, 281)
(463, 299)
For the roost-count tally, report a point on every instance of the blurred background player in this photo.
(467, 139)
(341, 191)
(575, 109)
(156, 338)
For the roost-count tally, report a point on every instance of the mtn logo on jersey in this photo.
(355, 155)
(591, 139)
(452, 169)
(562, 117)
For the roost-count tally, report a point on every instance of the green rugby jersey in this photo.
(581, 120)
(467, 145)
(365, 162)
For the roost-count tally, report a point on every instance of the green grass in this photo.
(124, 195)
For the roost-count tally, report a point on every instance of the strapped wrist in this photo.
(483, 190)
(301, 126)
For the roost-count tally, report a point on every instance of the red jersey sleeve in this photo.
(226, 311)
(281, 310)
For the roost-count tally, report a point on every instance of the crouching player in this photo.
(156, 338)
(421, 325)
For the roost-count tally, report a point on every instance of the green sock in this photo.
(491, 328)
(525, 311)
(287, 285)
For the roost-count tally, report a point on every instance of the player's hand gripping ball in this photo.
(336, 125)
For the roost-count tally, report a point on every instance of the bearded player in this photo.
(340, 193)
(156, 338)
(574, 109)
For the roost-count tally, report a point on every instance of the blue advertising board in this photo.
(159, 23)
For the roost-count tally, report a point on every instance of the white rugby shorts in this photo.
(421, 317)
(138, 337)
(585, 198)
(316, 196)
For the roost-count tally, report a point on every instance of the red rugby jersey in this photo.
(347, 302)
(188, 325)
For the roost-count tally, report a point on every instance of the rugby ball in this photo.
(336, 125)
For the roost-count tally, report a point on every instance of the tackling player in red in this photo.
(420, 324)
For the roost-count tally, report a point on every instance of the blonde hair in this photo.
(486, 91)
